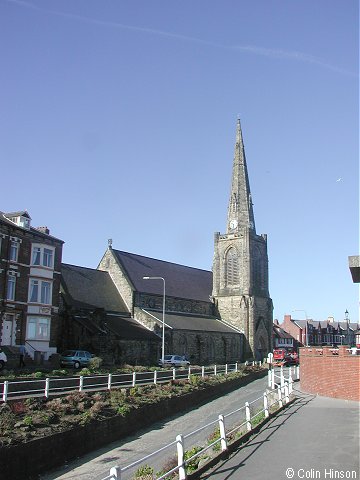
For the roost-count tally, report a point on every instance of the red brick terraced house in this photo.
(283, 339)
(326, 332)
(30, 269)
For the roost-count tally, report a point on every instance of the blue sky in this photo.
(118, 121)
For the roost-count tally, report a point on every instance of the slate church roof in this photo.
(180, 281)
(194, 323)
(89, 288)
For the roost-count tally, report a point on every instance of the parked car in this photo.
(75, 358)
(174, 361)
(3, 359)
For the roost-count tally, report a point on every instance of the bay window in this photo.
(36, 255)
(40, 291)
(38, 328)
(42, 256)
(48, 257)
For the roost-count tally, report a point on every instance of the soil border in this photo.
(28, 460)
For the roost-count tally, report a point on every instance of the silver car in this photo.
(174, 361)
(75, 358)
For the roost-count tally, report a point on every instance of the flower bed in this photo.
(37, 434)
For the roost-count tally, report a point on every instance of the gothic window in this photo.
(232, 267)
(258, 269)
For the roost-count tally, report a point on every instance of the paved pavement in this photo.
(314, 438)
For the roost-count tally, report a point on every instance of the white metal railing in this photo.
(275, 379)
(46, 387)
(249, 413)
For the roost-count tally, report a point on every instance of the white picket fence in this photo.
(279, 395)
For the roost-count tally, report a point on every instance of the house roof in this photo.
(180, 281)
(22, 213)
(301, 323)
(281, 333)
(192, 322)
(35, 231)
(89, 288)
(344, 325)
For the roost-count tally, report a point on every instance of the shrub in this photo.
(59, 373)
(144, 472)
(85, 371)
(39, 375)
(7, 419)
(117, 397)
(95, 363)
(196, 380)
(85, 417)
(211, 439)
(31, 403)
(123, 410)
(169, 465)
(192, 465)
(28, 420)
(257, 418)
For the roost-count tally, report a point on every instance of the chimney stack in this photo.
(43, 230)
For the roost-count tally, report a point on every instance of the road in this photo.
(96, 465)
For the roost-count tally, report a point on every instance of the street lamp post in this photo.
(347, 320)
(163, 317)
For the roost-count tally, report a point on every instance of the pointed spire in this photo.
(240, 210)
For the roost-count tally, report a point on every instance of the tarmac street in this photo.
(314, 438)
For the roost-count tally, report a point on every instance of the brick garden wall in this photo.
(322, 372)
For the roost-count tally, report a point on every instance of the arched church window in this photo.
(258, 267)
(232, 267)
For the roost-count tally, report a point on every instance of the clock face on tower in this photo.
(233, 224)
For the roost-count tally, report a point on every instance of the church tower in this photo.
(240, 267)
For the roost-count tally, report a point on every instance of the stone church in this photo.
(222, 316)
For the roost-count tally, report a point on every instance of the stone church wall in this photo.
(109, 264)
(205, 348)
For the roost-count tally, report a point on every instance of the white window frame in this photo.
(40, 255)
(39, 325)
(11, 288)
(37, 289)
(36, 255)
(14, 247)
(48, 254)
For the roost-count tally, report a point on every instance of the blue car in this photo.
(75, 358)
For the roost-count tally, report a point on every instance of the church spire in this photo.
(240, 210)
